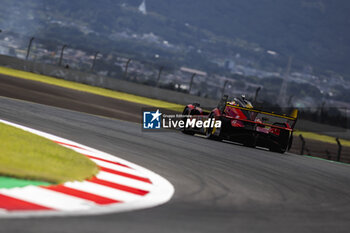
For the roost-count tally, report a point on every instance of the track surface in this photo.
(219, 187)
(70, 99)
(99, 105)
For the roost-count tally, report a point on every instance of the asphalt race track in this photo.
(219, 187)
(70, 99)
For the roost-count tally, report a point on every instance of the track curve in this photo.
(119, 186)
(219, 187)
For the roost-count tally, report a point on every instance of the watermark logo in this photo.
(190, 122)
(162, 119)
(151, 120)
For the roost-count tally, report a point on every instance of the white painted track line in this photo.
(118, 168)
(104, 191)
(124, 181)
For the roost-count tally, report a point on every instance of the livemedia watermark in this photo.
(155, 120)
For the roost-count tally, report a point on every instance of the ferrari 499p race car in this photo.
(241, 122)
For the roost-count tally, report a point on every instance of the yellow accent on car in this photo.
(294, 113)
(259, 111)
(213, 131)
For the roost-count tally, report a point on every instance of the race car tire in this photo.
(208, 131)
(283, 143)
(184, 130)
(290, 141)
(277, 149)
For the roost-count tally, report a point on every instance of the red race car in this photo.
(242, 123)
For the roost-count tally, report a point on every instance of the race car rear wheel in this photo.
(277, 149)
(209, 132)
(283, 141)
(184, 130)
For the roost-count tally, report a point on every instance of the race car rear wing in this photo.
(270, 119)
(292, 117)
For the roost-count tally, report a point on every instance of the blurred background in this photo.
(289, 53)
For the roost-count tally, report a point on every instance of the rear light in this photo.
(275, 131)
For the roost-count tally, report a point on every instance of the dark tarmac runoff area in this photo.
(219, 186)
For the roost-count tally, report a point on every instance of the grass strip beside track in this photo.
(91, 89)
(10, 182)
(27, 156)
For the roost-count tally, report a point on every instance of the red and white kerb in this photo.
(119, 186)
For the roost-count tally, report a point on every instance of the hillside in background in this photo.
(314, 32)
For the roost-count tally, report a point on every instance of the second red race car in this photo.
(241, 122)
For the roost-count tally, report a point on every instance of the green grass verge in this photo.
(10, 182)
(27, 156)
(91, 89)
(327, 160)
